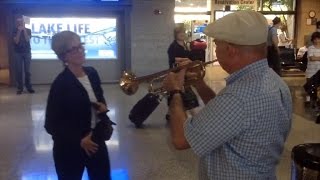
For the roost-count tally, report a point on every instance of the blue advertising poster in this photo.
(98, 34)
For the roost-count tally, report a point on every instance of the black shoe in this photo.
(19, 92)
(31, 91)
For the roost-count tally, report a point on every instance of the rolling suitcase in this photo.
(143, 108)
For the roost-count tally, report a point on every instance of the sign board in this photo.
(235, 2)
(98, 34)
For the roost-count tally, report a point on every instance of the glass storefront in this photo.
(194, 14)
(276, 5)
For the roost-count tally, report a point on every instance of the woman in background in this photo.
(70, 116)
(179, 49)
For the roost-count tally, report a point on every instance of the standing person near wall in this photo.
(22, 55)
(273, 49)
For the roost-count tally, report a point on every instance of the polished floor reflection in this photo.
(136, 154)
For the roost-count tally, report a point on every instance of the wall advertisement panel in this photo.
(98, 34)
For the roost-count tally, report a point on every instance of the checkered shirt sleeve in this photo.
(221, 120)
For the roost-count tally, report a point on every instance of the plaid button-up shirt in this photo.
(240, 134)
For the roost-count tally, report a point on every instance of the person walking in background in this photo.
(70, 117)
(22, 55)
(273, 49)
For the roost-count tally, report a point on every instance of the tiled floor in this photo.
(136, 154)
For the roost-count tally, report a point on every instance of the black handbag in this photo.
(103, 130)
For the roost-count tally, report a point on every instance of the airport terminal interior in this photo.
(134, 35)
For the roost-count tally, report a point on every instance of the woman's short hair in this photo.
(276, 21)
(315, 35)
(61, 41)
(178, 30)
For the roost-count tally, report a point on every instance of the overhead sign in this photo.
(98, 34)
(235, 2)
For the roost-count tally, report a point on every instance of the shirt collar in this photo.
(258, 66)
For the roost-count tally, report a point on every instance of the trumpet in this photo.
(129, 82)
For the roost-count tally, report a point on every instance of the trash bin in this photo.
(306, 162)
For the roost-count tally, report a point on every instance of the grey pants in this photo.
(22, 69)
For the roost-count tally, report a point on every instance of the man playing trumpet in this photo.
(241, 131)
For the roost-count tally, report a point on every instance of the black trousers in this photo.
(274, 60)
(70, 161)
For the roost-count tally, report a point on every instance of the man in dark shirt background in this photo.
(22, 55)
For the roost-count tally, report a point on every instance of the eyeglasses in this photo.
(75, 48)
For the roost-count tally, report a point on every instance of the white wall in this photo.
(151, 35)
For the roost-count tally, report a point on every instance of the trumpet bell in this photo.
(128, 83)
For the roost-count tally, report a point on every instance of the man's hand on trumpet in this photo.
(174, 81)
(191, 74)
(205, 92)
(182, 61)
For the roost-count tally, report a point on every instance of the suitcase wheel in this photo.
(138, 125)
